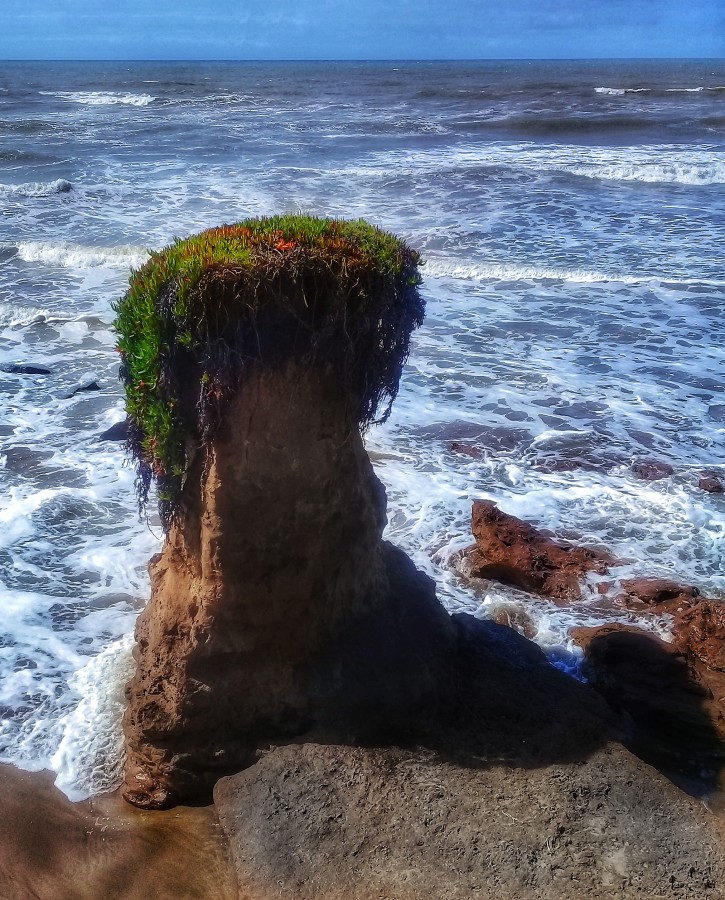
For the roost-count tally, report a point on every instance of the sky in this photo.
(360, 29)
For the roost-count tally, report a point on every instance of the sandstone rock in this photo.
(342, 823)
(103, 849)
(652, 469)
(699, 632)
(659, 594)
(276, 607)
(512, 551)
(514, 617)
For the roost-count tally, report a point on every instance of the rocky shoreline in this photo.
(521, 790)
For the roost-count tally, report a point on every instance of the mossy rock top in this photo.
(198, 313)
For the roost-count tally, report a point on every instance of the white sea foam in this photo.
(467, 270)
(89, 758)
(446, 268)
(78, 256)
(102, 98)
(693, 173)
(614, 92)
(664, 164)
(36, 188)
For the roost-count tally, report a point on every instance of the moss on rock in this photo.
(201, 311)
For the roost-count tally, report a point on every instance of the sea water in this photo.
(572, 219)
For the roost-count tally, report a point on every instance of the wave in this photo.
(77, 256)
(620, 92)
(12, 316)
(36, 188)
(655, 173)
(102, 98)
(468, 271)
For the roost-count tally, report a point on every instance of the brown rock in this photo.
(652, 469)
(512, 551)
(514, 617)
(699, 632)
(276, 607)
(466, 449)
(660, 594)
(676, 708)
(711, 484)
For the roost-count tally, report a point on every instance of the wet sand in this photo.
(104, 849)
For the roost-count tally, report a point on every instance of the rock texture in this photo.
(339, 823)
(512, 551)
(276, 607)
(656, 594)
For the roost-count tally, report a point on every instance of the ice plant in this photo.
(202, 310)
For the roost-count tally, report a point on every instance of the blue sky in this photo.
(360, 29)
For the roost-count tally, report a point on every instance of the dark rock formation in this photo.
(276, 608)
(117, 432)
(25, 369)
(676, 702)
(512, 551)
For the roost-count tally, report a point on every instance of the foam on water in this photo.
(89, 758)
(75, 256)
(36, 189)
(102, 98)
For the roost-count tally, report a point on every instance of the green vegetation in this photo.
(201, 311)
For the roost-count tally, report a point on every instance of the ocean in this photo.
(572, 220)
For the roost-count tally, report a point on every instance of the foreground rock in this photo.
(512, 551)
(340, 823)
(103, 849)
(520, 793)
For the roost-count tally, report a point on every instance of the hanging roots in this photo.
(199, 312)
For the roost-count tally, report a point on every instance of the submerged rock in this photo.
(117, 432)
(711, 483)
(652, 469)
(512, 551)
(25, 369)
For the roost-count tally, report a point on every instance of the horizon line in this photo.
(372, 59)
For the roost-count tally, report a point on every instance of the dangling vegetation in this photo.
(201, 311)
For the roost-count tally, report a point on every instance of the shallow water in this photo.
(572, 219)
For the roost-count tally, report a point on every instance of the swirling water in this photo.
(572, 216)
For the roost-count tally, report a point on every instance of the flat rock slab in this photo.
(315, 822)
(104, 849)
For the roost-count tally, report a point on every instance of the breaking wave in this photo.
(77, 256)
(36, 188)
(102, 98)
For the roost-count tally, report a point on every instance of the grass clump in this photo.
(199, 312)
